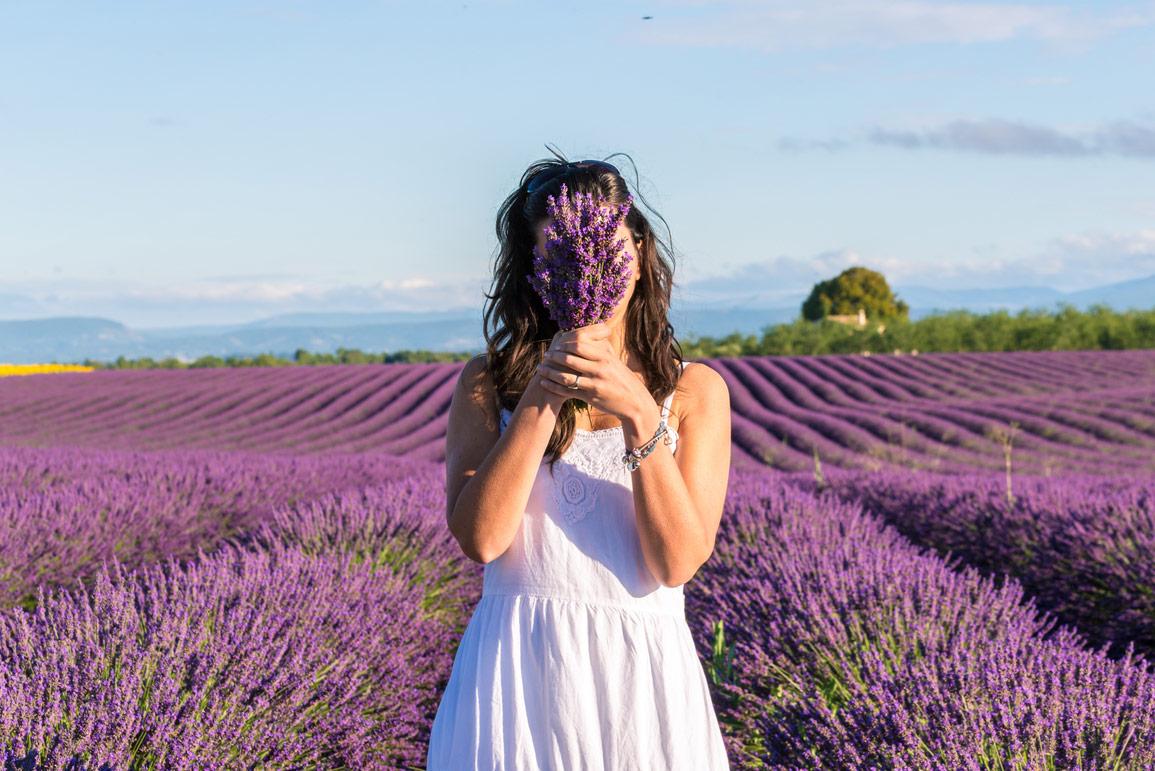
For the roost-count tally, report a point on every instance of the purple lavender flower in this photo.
(584, 270)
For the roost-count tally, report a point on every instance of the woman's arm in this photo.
(489, 474)
(678, 499)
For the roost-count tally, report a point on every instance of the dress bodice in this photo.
(578, 536)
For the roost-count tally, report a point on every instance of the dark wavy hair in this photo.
(516, 324)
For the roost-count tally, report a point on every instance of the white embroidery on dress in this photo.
(575, 494)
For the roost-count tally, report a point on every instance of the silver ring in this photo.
(575, 383)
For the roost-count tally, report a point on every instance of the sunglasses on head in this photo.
(553, 172)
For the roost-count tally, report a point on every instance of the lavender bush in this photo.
(1082, 546)
(849, 648)
(273, 656)
(397, 526)
(63, 511)
(325, 644)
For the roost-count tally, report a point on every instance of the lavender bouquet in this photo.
(584, 269)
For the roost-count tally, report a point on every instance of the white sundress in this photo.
(576, 657)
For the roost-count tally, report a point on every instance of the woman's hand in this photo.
(605, 382)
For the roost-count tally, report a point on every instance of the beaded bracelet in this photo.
(633, 458)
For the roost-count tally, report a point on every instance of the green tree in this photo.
(850, 290)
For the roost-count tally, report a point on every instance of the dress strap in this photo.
(666, 402)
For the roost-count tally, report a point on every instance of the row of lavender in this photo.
(64, 510)
(949, 413)
(318, 627)
(400, 409)
(1081, 545)
(847, 647)
(1051, 412)
(318, 638)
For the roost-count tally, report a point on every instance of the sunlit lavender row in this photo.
(1082, 546)
(65, 510)
(844, 646)
(317, 641)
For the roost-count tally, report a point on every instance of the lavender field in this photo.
(941, 561)
(1069, 411)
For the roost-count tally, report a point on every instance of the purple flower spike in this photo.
(584, 270)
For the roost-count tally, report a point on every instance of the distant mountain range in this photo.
(1138, 293)
(74, 338)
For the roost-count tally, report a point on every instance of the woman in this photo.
(578, 655)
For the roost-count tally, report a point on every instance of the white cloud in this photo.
(228, 299)
(997, 136)
(1067, 263)
(1100, 257)
(1011, 137)
(775, 25)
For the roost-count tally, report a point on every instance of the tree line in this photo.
(1065, 328)
(299, 357)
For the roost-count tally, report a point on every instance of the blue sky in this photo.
(200, 162)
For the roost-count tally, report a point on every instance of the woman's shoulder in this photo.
(475, 379)
(701, 373)
(475, 371)
(702, 383)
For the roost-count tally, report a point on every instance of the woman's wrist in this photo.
(536, 396)
(641, 424)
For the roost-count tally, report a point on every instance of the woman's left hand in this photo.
(606, 382)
